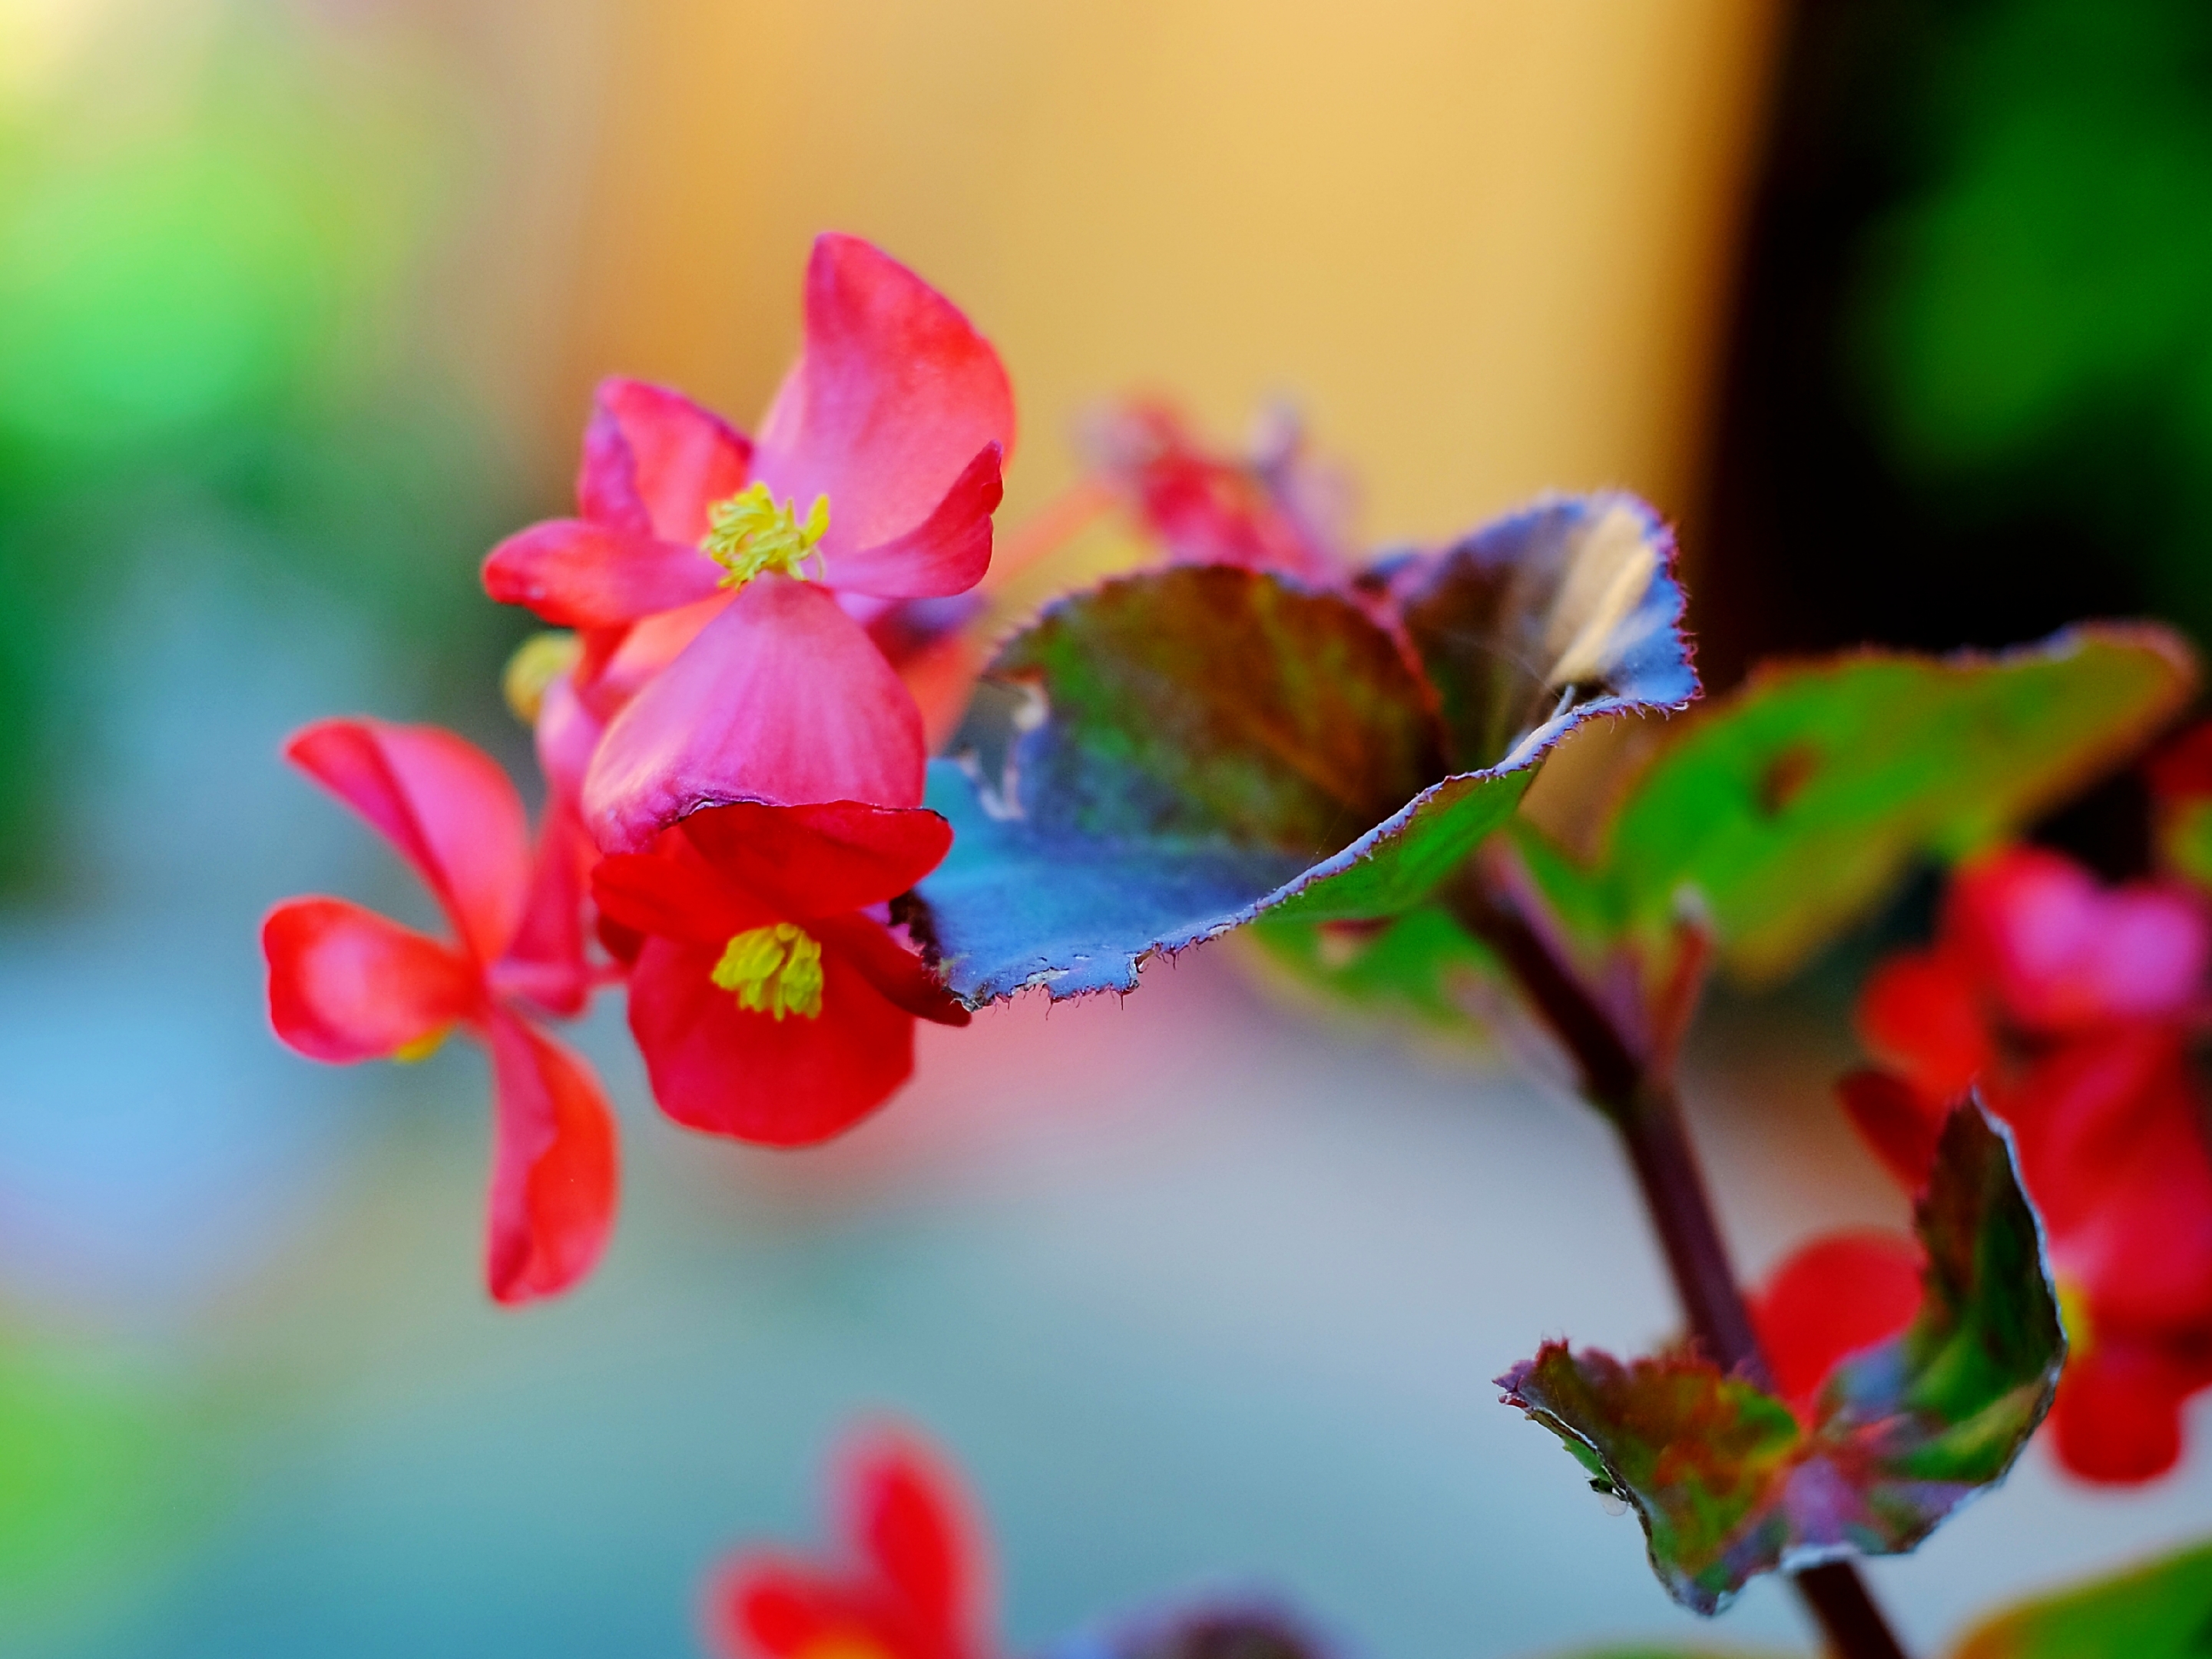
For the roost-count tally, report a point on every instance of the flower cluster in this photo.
(2071, 1008)
(733, 756)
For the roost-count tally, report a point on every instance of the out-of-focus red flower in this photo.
(911, 1581)
(770, 1001)
(2070, 1006)
(1829, 1300)
(722, 587)
(1273, 511)
(345, 984)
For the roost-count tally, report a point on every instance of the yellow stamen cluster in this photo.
(2073, 1315)
(536, 663)
(750, 534)
(773, 970)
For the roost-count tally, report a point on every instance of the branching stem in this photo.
(1642, 1104)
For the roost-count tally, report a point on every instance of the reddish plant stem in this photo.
(1644, 1107)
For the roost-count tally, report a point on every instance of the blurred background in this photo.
(1899, 305)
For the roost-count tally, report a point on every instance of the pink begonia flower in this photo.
(709, 577)
(346, 985)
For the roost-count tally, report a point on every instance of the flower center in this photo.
(751, 533)
(774, 970)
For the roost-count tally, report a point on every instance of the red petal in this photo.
(1830, 1299)
(655, 461)
(781, 698)
(894, 397)
(770, 1607)
(947, 553)
(902, 976)
(1899, 1123)
(672, 892)
(2118, 1417)
(444, 803)
(2182, 768)
(1920, 1015)
(553, 1165)
(574, 574)
(344, 984)
(908, 1515)
(2063, 952)
(806, 861)
(545, 964)
(729, 1071)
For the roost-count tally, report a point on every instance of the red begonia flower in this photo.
(914, 1581)
(1275, 511)
(2071, 1007)
(769, 1005)
(875, 476)
(345, 984)
(1830, 1299)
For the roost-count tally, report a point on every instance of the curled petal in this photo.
(1832, 1299)
(895, 398)
(896, 972)
(444, 803)
(553, 1165)
(345, 984)
(575, 573)
(822, 860)
(781, 698)
(655, 461)
(730, 1071)
(948, 553)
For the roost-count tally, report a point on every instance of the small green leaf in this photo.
(2185, 842)
(2161, 1611)
(1167, 756)
(1793, 805)
(1422, 968)
(1729, 1483)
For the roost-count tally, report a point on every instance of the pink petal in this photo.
(553, 1175)
(2065, 952)
(575, 573)
(730, 1071)
(655, 461)
(900, 976)
(781, 698)
(345, 984)
(566, 735)
(948, 553)
(894, 398)
(444, 803)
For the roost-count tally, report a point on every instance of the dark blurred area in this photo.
(1968, 386)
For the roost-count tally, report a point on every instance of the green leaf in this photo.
(1169, 756)
(2185, 842)
(1789, 808)
(1729, 1483)
(2161, 1611)
(1422, 968)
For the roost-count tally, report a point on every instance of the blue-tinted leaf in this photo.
(1171, 755)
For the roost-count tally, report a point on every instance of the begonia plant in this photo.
(1263, 731)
